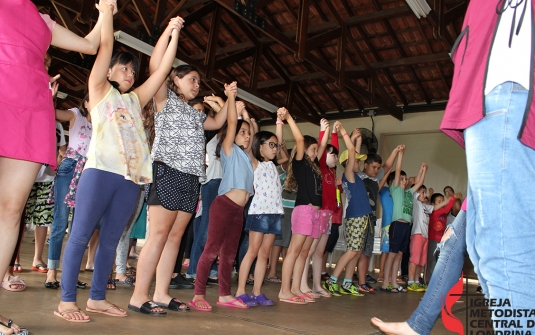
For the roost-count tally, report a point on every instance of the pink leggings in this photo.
(224, 230)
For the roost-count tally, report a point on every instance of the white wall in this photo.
(420, 132)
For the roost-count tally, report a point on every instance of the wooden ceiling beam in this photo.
(255, 68)
(302, 29)
(144, 15)
(66, 19)
(159, 15)
(235, 57)
(322, 38)
(86, 11)
(200, 14)
(341, 54)
(209, 60)
(172, 13)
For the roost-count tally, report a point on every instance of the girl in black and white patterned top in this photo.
(178, 154)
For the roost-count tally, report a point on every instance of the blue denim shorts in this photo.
(264, 223)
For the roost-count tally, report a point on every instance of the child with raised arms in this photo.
(118, 161)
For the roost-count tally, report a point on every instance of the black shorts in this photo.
(172, 189)
(399, 236)
(333, 238)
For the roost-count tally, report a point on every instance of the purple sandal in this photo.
(247, 299)
(262, 300)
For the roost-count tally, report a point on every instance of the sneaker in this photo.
(365, 288)
(415, 287)
(350, 289)
(179, 282)
(332, 287)
(370, 279)
(212, 281)
(423, 287)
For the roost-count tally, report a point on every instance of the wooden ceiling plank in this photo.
(329, 93)
(143, 13)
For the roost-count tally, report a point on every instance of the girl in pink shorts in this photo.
(305, 175)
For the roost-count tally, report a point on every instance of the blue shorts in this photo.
(399, 235)
(264, 223)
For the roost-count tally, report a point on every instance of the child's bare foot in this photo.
(71, 312)
(6, 327)
(394, 328)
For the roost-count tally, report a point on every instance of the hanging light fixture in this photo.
(419, 7)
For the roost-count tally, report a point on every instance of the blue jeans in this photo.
(61, 211)
(447, 273)
(101, 195)
(200, 228)
(500, 224)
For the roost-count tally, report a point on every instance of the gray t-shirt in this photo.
(420, 216)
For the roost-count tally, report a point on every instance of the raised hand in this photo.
(231, 89)
(176, 23)
(240, 107)
(282, 113)
(355, 135)
(336, 126)
(324, 124)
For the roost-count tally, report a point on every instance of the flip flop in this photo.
(174, 305)
(147, 308)
(17, 268)
(90, 270)
(38, 268)
(324, 294)
(313, 295)
(294, 300)
(107, 311)
(306, 297)
(233, 304)
(274, 280)
(399, 289)
(22, 331)
(61, 314)
(193, 304)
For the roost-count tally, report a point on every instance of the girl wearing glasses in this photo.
(264, 216)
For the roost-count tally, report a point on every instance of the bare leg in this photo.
(40, 238)
(261, 261)
(299, 266)
(274, 260)
(296, 244)
(92, 250)
(350, 267)
(388, 270)
(304, 278)
(384, 255)
(16, 180)
(318, 264)
(363, 264)
(255, 241)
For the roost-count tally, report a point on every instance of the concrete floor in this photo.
(33, 309)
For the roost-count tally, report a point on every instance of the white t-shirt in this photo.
(46, 174)
(214, 169)
(511, 64)
(420, 216)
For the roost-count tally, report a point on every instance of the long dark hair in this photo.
(180, 71)
(224, 134)
(82, 108)
(125, 58)
(260, 138)
(291, 182)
